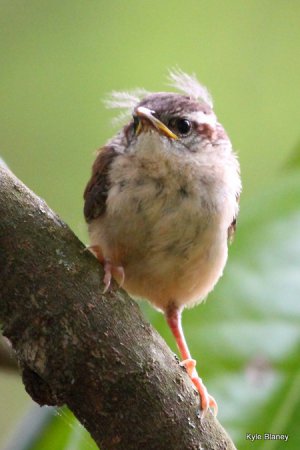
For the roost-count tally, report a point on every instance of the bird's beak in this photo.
(147, 115)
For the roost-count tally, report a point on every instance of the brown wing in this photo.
(95, 193)
(232, 227)
(231, 231)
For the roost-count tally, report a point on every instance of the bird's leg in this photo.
(109, 268)
(173, 317)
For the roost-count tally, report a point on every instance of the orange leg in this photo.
(109, 268)
(173, 317)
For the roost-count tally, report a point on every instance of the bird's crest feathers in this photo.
(181, 81)
(189, 85)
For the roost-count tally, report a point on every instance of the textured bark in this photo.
(93, 352)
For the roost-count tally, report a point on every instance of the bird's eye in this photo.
(136, 122)
(180, 125)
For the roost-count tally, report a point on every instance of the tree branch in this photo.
(91, 351)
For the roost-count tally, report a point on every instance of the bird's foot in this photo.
(96, 251)
(109, 268)
(207, 401)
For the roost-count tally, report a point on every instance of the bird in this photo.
(162, 202)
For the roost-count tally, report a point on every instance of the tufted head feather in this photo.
(184, 83)
(189, 85)
(125, 101)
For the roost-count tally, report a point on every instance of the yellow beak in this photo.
(145, 113)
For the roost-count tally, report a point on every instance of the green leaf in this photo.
(50, 428)
(64, 432)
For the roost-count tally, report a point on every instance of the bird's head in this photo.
(179, 121)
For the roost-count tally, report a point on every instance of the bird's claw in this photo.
(189, 365)
(107, 276)
(207, 401)
(109, 268)
(96, 251)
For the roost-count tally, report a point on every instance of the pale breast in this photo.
(168, 236)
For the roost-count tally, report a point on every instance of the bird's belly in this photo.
(172, 250)
(182, 274)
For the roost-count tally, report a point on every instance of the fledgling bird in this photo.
(162, 203)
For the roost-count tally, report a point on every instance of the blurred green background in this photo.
(58, 61)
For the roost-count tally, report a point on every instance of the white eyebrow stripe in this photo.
(200, 117)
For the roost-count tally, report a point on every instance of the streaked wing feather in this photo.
(232, 227)
(96, 191)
